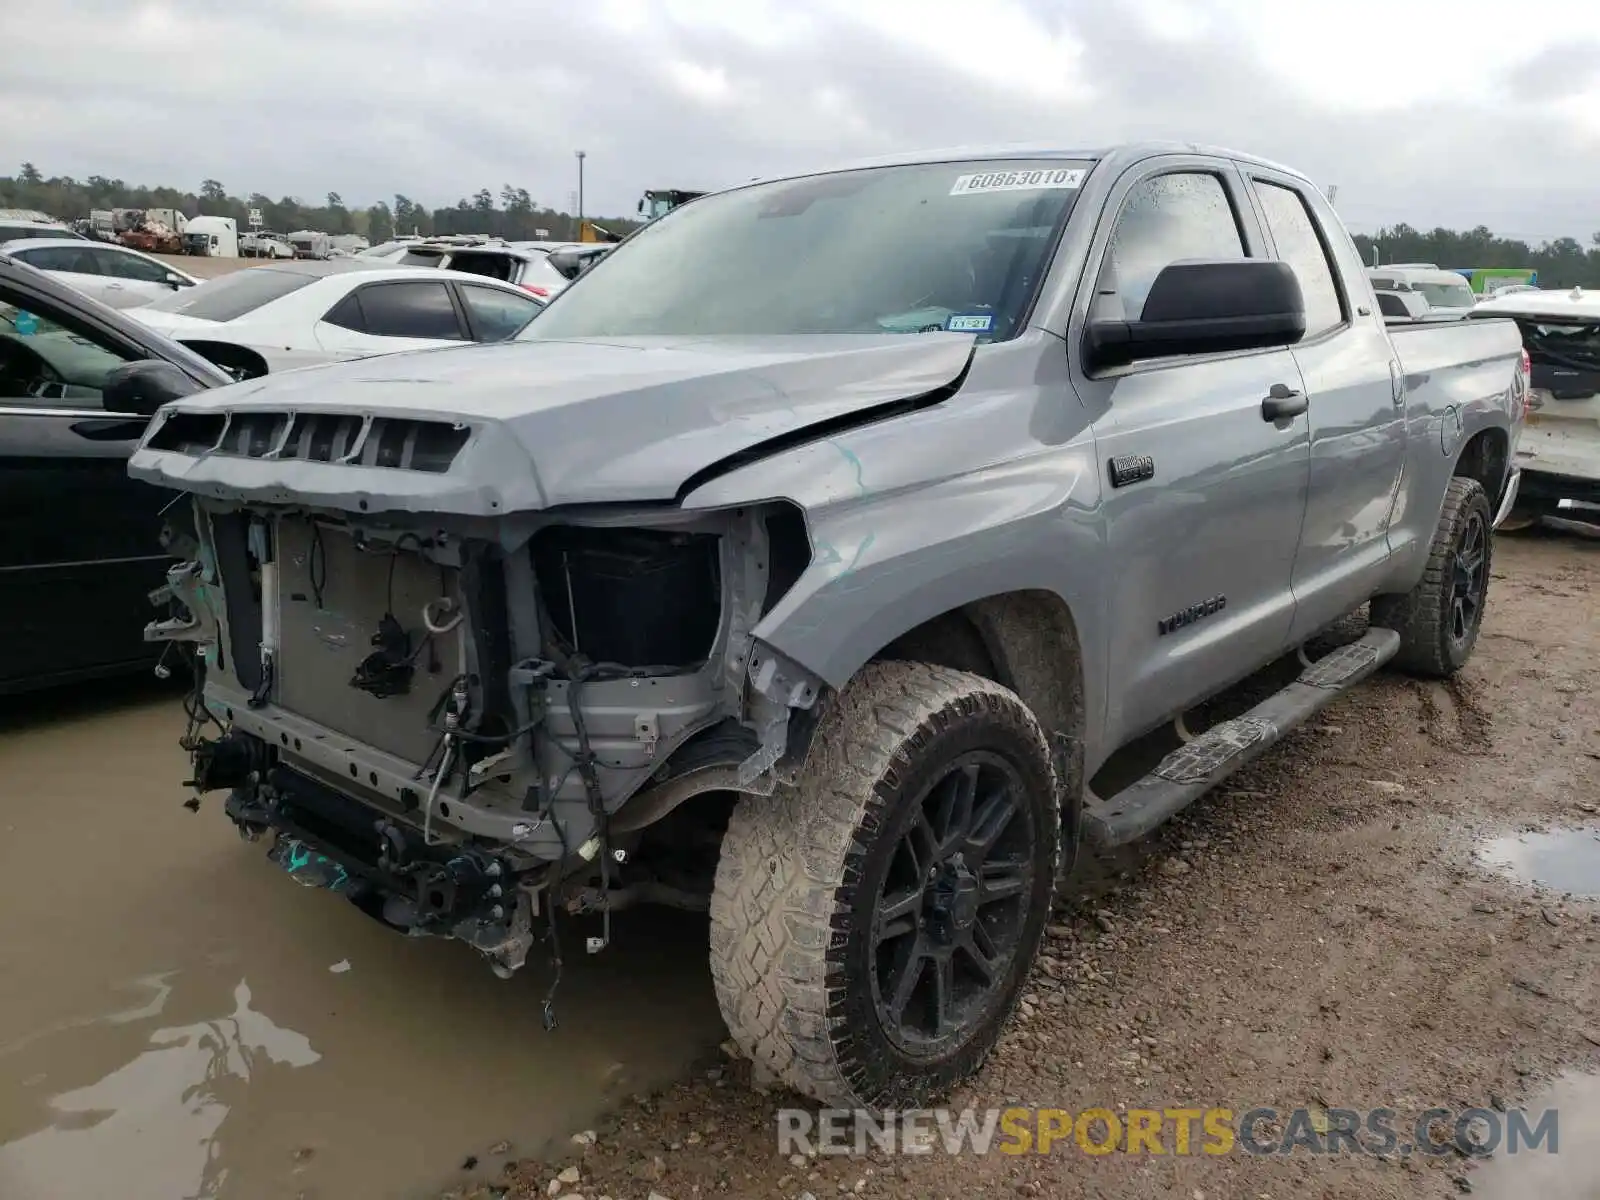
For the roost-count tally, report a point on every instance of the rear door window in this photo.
(1301, 246)
(347, 314)
(498, 314)
(410, 310)
(60, 258)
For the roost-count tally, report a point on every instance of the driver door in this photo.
(78, 537)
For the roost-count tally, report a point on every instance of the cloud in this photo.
(1415, 117)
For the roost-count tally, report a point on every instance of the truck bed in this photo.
(1469, 351)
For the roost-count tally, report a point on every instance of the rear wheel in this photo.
(1439, 619)
(872, 925)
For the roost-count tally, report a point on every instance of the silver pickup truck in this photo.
(810, 558)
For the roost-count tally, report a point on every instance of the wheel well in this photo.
(1026, 641)
(230, 357)
(1484, 459)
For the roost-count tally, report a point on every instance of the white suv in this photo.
(1559, 450)
(525, 264)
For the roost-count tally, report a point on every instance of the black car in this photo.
(79, 549)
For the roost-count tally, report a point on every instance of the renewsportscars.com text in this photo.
(1177, 1131)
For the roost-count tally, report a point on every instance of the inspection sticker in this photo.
(973, 322)
(1018, 181)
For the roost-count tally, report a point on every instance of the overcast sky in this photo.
(1453, 112)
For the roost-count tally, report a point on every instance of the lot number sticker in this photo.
(1017, 181)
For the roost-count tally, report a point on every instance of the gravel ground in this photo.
(1318, 933)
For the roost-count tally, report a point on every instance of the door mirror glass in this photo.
(144, 386)
(1205, 308)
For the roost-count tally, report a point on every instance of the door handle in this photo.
(1283, 402)
(111, 429)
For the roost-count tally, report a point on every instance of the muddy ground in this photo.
(177, 1020)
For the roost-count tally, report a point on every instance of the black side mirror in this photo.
(1205, 308)
(144, 386)
(573, 261)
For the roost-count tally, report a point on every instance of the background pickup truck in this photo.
(814, 555)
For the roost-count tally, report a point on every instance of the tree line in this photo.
(513, 214)
(1562, 263)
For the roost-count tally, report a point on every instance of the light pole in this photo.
(581, 157)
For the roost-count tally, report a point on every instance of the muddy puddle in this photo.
(178, 1020)
(1559, 860)
(1572, 1172)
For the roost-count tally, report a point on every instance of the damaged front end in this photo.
(466, 721)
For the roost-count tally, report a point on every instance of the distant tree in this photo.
(29, 174)
(404, 214)
(337, 218)
(380, 223)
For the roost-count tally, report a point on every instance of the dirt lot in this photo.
(210, 268)
(1325, 932)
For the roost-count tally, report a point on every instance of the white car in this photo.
(1559, 448)
(262, 320)
(113, 275)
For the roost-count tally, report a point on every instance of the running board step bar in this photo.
(1199, 765)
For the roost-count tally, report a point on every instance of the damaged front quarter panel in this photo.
(442, 665)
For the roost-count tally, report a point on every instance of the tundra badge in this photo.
(1131, 468)
(1193, 613)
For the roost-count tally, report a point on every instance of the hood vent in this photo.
(400, 443)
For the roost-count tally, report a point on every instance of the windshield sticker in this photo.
(1018, 181)
(970, 322)
(26, 323)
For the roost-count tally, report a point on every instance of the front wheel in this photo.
(872, 925)
(1439, 619)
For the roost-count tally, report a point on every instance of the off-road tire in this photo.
(1423, 616)
(797, 884)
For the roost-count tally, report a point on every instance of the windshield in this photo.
(1446, 295)
(229, 297)
(904, 249)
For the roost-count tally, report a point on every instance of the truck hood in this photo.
(556, 423)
